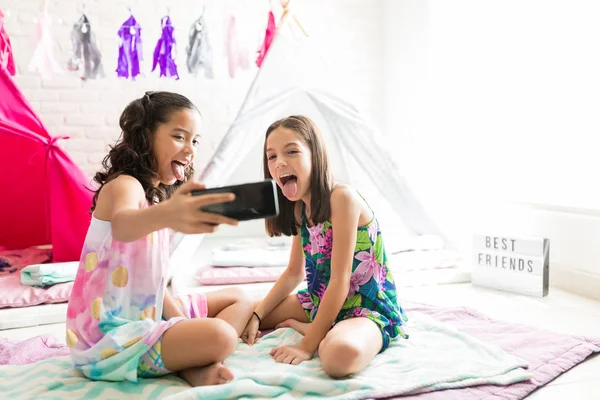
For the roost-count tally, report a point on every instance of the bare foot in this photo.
(300, 327)
(214, 374)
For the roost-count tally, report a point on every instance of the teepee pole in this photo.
(285, 4)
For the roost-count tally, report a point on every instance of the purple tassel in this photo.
(163, 52)
(130, 49)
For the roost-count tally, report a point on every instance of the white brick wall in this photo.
(88, 111)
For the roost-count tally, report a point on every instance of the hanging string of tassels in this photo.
(164, 52)
(199, 50)
(130, 49)
(6, 57)
(43, 61)
(85, 57)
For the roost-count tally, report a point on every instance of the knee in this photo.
(239, 296)
(224, 340)
(244, 302)
(339, 357)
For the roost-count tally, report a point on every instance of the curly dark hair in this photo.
(132, 154)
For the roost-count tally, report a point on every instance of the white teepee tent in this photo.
(293, 79)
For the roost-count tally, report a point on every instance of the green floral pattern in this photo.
(372, 292)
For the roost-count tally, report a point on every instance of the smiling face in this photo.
(174, 145)
(289, 160)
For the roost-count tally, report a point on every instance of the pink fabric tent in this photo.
(44, 197)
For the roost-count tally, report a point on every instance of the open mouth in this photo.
(287, 178)
(179, 169)
(290, 185)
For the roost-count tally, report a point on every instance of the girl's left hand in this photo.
(291, 354)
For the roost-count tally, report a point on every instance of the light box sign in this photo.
(519, 265)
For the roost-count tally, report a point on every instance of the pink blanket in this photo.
(30, 350)
(549, 354)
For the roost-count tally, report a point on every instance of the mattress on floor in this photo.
(415, 268)
(22, 317)
(410, 268)
(186, 284)
(428, 267)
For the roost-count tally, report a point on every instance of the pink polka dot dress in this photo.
(115, 309)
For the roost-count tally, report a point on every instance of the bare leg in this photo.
(289, 308)
(349, 347)
(300, 327)
(232, 305)
(196, 348)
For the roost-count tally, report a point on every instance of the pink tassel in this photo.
(269, 35)
(236, 56)
(6, 56)
(43, 60)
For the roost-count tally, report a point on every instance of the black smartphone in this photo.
(252, 201)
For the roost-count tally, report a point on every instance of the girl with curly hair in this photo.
(122, 323)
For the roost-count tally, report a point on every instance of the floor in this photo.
(559, 311)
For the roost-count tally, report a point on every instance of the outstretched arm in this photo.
(121, 201)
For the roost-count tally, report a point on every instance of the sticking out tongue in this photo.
(290, 188)
(178, 170)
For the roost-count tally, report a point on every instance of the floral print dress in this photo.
(372, 291)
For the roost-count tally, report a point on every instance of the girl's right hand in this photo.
(184, 211)
(250, 331)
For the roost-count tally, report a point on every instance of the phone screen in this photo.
(252, 201)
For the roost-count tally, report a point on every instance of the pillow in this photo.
(235, 275)
(272, 257)
(13, 294)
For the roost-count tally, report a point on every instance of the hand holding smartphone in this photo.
(252, 201)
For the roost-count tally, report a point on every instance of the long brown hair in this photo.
(321, 180)
(132, 154)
